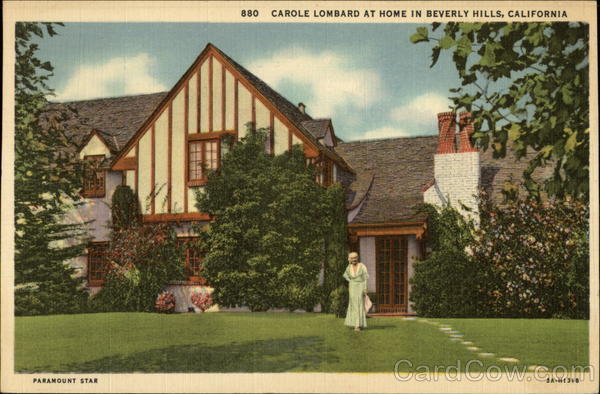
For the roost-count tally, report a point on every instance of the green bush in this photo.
(48, 298)
(338, 301)
(449, 282)
(125, 208)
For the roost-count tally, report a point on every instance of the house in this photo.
(161, 145)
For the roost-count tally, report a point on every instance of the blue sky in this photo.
(368, 78)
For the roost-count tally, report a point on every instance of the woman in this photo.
(356, 273)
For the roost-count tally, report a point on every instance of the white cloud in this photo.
(420, 114)
(116, 77)
(417, 117)
(335, 83)
(384, 132)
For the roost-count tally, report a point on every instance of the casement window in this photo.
(97, 264)
(327, 173)
(203, 156)
(94, 182)
(194, 257)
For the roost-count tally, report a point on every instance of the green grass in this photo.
(278, 342)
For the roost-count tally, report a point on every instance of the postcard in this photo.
(338, 196)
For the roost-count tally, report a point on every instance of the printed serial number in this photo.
(250, 13)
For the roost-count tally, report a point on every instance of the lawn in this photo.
(278, 342)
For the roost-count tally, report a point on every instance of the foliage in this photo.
(47, 184)
(527, 86)
(265, 244)
(449, 282)
(125, 208)
(539, 253)
(338, 301)
(165, 302)
(202, 300)
(144, 259)
(336, 243)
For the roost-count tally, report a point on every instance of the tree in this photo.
(47, 180)
(527, 85)
(265, 244)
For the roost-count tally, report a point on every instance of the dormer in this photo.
(95, 151)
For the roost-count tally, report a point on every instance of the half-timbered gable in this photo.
(168, 158)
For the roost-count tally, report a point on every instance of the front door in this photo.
(392, 266)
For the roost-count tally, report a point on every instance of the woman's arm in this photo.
(346, 275)
(365, 277)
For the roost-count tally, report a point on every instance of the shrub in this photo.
(202, 300)
(125, 208)
(338, 303)
(144, 260)
(449, 282)
(165, 302)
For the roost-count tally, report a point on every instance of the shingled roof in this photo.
(401, 167)
(317, 127)
(116, 119)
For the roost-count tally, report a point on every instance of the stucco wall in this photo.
(367, 257)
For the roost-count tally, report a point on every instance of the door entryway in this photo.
(392, 273)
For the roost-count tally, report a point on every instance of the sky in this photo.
(368, 78)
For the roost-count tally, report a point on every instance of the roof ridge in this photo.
(366, 141)
(107, 98)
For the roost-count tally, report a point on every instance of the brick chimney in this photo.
(456, 174)
(466, 130)
(447, 128)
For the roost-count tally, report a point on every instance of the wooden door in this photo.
(391, 273)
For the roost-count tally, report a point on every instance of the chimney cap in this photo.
(446, 115)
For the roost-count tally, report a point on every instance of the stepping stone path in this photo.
(456, 336)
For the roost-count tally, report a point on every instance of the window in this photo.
(327, 179)
(203, 156)
(98, 264)
(93, 177)
(193, 260)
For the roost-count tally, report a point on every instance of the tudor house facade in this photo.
(161, 145)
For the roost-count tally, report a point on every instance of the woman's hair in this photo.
(352, 254)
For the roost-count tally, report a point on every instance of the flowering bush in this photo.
(525, 259)
(539, 253)
(165, 302)
(144, 258)
(202, 300)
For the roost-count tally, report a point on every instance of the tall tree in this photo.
(47, 182)
(527, 85)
